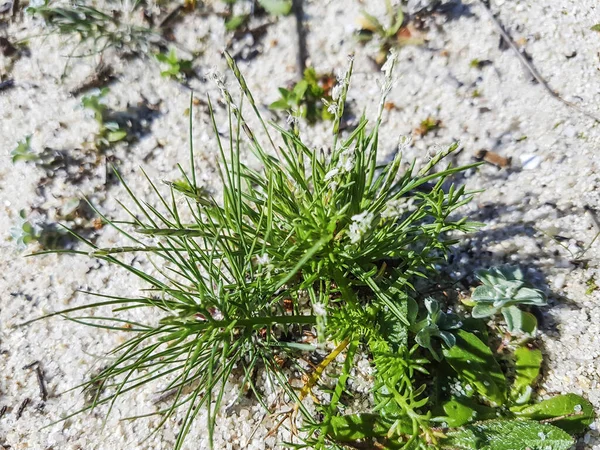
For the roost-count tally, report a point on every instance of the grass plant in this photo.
(332, 244)
(96, 29)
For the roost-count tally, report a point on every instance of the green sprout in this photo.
(427, 126)
(178, 69)
(329, 244)
(308, 98)
(109, 131)
(23, 151)
(23, 232)
(502, 290)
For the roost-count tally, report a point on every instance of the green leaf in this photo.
(279, 104)
(168, 73)
(354, 427)
(527, 369)
(161, 57)
(507, 435)
(285, 93)
(596, 27)
(371, 23)
(23, 151)
(481, 310)
(397, 24)
(300, 89)
(575, 412)
(484, 293)
(236, 22)
(460, 411)
(474, 363)
(277, 7)
(530, 296)
(529, 325)
(116, 136)
(395, 332)
(514, 318)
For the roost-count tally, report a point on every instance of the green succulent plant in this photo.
(502, 290)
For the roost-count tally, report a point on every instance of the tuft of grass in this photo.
(331, 244)
(92, 31)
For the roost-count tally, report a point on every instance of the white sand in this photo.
(549, 193)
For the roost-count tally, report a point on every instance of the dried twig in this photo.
(39, 373)
(529, 66)
(41, 382)
(590, 212)
(22, 407)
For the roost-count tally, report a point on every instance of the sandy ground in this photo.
(553, 180)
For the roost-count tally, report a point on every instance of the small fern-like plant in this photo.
(330, 244)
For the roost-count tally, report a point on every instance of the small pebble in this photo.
(570, 132)
(6, 6)
(530, 161)
(559, 281)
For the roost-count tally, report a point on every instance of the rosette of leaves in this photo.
(437, 324)
(502, 289)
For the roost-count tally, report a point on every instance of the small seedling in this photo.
(389, 37)
(109, 131)
(312, 97)
(23, 151)
(178, 69)
(502, 290)
(23, 232)
(591, 286)
(73, 215)
(427, 126)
